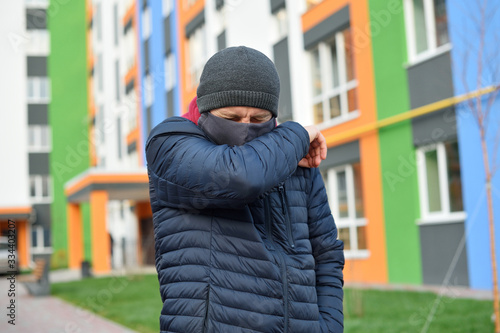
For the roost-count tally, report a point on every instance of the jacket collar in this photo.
(174, 125)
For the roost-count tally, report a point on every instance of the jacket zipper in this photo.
(268, 220)
(284, 207)
(285, 288)
(284, 279)
(207, 304)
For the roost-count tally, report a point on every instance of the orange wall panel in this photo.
(185, 16)
(363, 64)
(101, 244)
(320, 12)
(23, 244)
(373, 268)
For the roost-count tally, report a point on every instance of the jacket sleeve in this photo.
(190, 172)
(328, 252)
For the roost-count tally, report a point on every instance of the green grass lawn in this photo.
(134, 302)
(376, 311)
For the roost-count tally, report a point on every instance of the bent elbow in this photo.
(246, 189)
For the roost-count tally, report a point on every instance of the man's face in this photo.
(243, 114)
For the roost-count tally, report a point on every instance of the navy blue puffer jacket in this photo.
(244, 239)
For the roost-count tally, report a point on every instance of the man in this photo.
(245, 241)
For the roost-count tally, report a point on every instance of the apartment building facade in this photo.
(25, 175)
(102, 203)
(385, 81)
(379, 80)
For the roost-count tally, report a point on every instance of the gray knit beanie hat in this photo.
(239, 76)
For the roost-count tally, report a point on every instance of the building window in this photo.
(334, 84)
(131, 114)
(170, 72)
(197, 55)
(36, 19)
(117, 80)
(426, 27)
(281, 23)
(40, 239)
(36, 3)
(167, 7)
(119, 136)
(345, 193)
(440, 184)
(40, 188)
(39, 138)
(39, 42)
(99, 69)
(116, 21)
(130, 47)
(148, 90)
(146, 23)
(97, 20)
(312, 3)
(189, 3)
(100, 133)
(38, 89)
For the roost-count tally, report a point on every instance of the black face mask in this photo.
(224, 131)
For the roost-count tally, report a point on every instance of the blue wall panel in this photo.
(462, 16)
(157, 52)
(175, 50)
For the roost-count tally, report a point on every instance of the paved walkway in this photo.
(49, 314)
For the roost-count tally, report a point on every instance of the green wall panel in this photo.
(68, 110)
(399, 173)
(401, 204)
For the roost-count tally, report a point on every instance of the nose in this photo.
(245, 120)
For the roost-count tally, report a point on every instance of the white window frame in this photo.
(220, 21)
(280, 21)
(116, 24)
(38, 181)
(167, 7)
(131, 111)
(149, 93)
(100, 127)
(36, 132)
(129, 48)
(432, 50)
(99, 73)
(445, 215)
(308, 4)
(146, 23)
(40, 242)
(189, 3)
(34, 42)
(97, 24)
(197, 55)
(36, 3)
(34, 94)
(327, 89)
(350, 222)
(170, 72)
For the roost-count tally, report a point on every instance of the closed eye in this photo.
(260, 119)
(233, 118)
